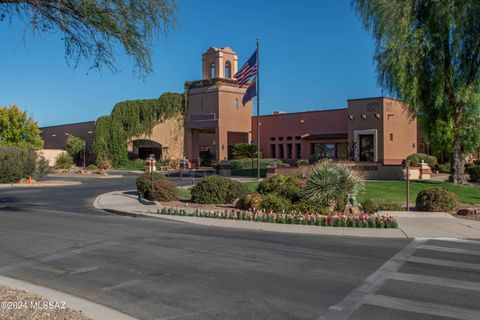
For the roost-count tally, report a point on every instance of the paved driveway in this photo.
(157, 269)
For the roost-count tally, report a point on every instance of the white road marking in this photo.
(457, 240)
(450, 250)
(28, 262)
(123, 284)
(445, 263)
(354, 300)
(440, 310)
(436, 281)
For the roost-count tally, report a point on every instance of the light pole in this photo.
(407, 170)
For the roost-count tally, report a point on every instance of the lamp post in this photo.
(407, 170)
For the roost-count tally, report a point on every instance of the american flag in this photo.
(248, 70)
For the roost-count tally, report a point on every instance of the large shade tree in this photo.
(427, 53)
(92, 28)
(18, 129)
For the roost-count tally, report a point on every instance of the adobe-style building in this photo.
(216, 118)
(370, 130)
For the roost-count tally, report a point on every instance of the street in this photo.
(159, 269)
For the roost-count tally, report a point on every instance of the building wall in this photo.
(169, 134)
(401, 132)
(395, 129)
(55, 138)
(293, 127)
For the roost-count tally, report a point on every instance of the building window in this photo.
(391, 136)
(342, 150)
(298, 150)
(202, 103)
(281, 152)
(280, 138)
(236, 104)
(227, 70)
(298, 138)
(323, 150)
(289, 138)
(367, 151)
(273, 151)
(289, 151)
(212, 71)
(273, 138)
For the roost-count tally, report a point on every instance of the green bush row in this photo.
(17, 163)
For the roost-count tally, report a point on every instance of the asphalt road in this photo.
(159, 269)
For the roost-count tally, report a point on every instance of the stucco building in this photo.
(376, 130)
(216, 118)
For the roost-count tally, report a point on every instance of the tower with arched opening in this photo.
(216, 119)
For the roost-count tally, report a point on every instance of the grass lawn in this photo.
(184, 193)
(395, 191)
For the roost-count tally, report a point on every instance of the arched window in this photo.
(228, 74)
(212, 71)
(236, 104)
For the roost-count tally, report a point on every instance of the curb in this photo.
(90, 309)
(56, 183)
(247, 225)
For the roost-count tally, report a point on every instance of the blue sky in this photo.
(314, 55)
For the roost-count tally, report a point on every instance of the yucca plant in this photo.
(328, 184)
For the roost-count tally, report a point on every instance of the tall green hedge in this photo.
(132, 118)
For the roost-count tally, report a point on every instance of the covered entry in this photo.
(143, 148)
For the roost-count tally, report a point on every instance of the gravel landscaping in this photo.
(20, 305)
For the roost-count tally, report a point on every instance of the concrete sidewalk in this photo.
(411, 224)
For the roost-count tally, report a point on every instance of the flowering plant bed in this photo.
(313, 219)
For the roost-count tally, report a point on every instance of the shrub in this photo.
(92, 167)
(163, 190)
(476, 162)
(303, 206)
(303, 162)
(416, 159)
(246, 163)
(286, 185)
(328, 184)
(42, 168)
(144, 182)
(104, 165)
(474, 172)
(275, 203)
(217, 189)
(368, 206)
(63, 161)
(16, 163)
(388, 206)
(436, 199)
(251, 200)
(444, 168)
(244, 150)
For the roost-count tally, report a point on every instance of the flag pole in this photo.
(258, 108)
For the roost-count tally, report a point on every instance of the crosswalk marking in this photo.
(436, 281)
(445, 263)
(450, 250)
(435, 309)
(365, 293)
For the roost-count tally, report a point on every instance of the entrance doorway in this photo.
(367, 147)
(143, 148)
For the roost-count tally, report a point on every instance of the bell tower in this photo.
(219, 63)
(216, 118)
